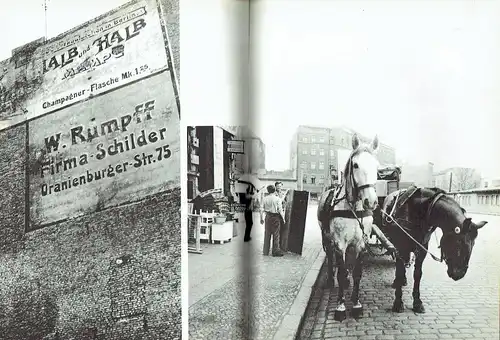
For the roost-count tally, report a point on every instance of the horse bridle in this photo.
(457, 230)
(357, 188)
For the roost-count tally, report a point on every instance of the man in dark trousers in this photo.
(249, 206)
(273, 210)
(282, 194)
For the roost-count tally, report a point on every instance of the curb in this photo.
(290, 324)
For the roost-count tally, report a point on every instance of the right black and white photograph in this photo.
(374, 194)
(385, 114)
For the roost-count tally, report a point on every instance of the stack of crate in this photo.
(207, 218)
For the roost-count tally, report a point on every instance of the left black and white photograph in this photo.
(90, 241)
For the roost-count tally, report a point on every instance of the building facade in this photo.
(315, 153)
(212, 164)
(254, 159)
(418, 174)
(287, 177)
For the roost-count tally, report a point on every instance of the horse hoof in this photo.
(398, 307)
(340, 315)
(357, 312)
(419, 308)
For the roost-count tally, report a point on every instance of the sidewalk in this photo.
(217, 282)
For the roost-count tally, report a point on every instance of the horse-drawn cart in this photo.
(388, 179)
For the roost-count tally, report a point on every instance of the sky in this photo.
(422, 76)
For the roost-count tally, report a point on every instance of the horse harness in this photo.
(351, 213)
(403, 197)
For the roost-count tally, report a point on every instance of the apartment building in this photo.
(315, 153)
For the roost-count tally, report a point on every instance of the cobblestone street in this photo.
(465, 309)
(216, 281)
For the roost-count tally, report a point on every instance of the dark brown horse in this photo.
(410, 217)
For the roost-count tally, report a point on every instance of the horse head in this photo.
(360, 173)
(459, 235)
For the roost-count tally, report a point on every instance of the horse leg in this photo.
(340, 313)
(331, 274)
(357, 308)
(401, 274)
(398, 305)
(418, 306)
(327, 247)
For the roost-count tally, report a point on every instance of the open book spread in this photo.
(334, 173)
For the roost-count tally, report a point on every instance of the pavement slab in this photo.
(223, 299)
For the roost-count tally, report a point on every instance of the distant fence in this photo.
(479, 201)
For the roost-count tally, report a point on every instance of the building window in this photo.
(321, 139)
(304, 178)
(313, 165)
(321, 165)
(332, 140)
(322, 179)
(321, 152)
(313, 179)
(332, 153)
(313, 152)
(496, 200)
(304, 139)
(487, 199)
(303, 165)
(304, 151)
(313, 139)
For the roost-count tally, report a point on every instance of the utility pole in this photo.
(301, 179)
(451, 180)
(45, 9)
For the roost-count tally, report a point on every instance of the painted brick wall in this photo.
(66, 278)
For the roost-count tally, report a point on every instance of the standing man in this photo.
(249, 206)
(281, 193)
(271, 205)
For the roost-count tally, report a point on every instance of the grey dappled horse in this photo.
(345, 218)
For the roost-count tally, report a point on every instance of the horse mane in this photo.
(348, 183)
(438, 190)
